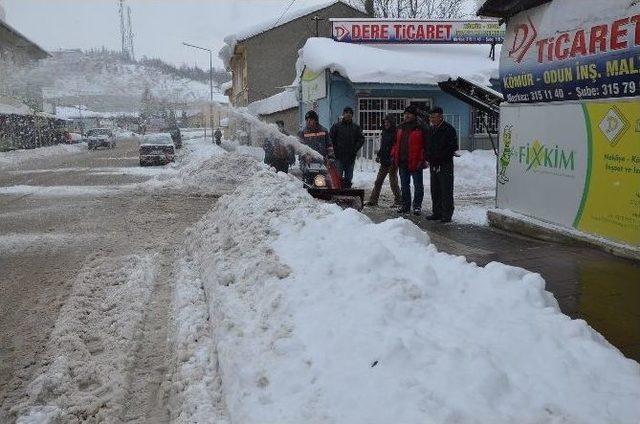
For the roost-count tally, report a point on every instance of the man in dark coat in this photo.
(276, 153)
(443, 144)
(409, 155)
(387, 139)
(315, 136)
(347, 139)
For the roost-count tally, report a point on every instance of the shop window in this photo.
(482, 121)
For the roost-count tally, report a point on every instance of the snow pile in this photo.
(319, 315)
(92, 345)
(400, 64)
(475, 172)
(219, 174)
(67, 112)
(276, 103)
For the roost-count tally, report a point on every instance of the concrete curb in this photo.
(525, 225)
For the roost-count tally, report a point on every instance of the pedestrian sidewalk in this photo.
(589, 284)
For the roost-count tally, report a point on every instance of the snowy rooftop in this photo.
(276, 103)
(67, 112)
(400, 64)
(230, 40)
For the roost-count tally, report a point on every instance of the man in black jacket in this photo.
(347, 139)
(383, 156)
(441, 148)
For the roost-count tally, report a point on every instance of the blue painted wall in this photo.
(341, 92)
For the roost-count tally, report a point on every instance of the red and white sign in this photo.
(417, 31)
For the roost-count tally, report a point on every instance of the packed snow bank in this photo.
(319, 315)
(399, 64)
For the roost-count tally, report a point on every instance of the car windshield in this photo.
(98, 131)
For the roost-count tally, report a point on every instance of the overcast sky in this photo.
(160, 26)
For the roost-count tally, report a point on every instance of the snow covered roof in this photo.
(276, 103)
(11, 106)
(398, 63)
(231, 40)
(40, 53)
(67, 112)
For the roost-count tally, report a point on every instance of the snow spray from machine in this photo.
(325, 182)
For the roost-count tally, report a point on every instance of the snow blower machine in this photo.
(323, 181)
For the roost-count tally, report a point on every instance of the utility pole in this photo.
(210, 87)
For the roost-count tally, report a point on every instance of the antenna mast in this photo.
(130, 34)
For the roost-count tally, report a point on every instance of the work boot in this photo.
(403, 210)
(445, 220)
(434, 218)
(417, 211)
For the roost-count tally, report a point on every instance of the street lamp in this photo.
(210, 87)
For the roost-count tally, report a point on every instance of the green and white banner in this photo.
(574, 164)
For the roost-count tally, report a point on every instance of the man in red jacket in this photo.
(409, 156)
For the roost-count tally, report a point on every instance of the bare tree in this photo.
(430, 9)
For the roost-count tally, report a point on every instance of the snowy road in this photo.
(87, 264)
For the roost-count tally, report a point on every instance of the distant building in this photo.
(262, 58)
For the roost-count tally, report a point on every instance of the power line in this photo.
(284, 13)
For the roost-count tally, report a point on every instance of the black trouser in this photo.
(442, 190)
(280, 165)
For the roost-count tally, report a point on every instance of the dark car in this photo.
(157, 149)
(100, 137)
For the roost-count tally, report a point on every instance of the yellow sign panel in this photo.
(611, 199)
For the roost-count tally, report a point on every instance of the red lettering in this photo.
(550, 50)
(448, 28)
(384, 34)
(636, 20)
(598, 37)
(579, 46)
(356, 33)
(397, 29)
(616, 32)
(439, 32)
(375, 32)
(541, 45)
(431, 32)
(366, 34)
(420, 33)
(562, 53)
(411, 32)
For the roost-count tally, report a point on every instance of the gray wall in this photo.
(290, 118)
(272, 55)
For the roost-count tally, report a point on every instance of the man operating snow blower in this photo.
(320, 175)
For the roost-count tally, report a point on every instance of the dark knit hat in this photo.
(436, 110)
(311, 114)
(412, 109)
(347, 109)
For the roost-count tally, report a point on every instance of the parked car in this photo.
(100, 137)
(157, 149)
(72, 137)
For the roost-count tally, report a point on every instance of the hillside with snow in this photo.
(105, 82)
